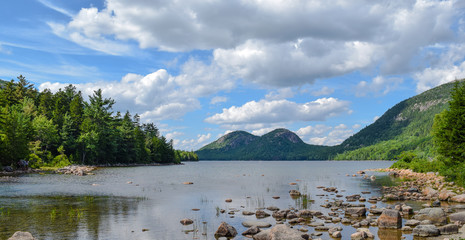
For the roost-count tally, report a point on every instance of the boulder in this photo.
(251, 231)
(22, 236)
(436, 215)
(429, 192)
(359, 211)
(362, 233)
(259, 224)
(425, 231)
(225, 230)
(458, 198)
(449, 229)
(457, 217)
(22, 164)
(186, 221)
(279, 232)
(445, 195)
(261, 214)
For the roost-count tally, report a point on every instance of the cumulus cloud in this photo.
(279, 111)
(158, 95)
(326, 135)
(379, 86)
(275, 43)
(191, 144)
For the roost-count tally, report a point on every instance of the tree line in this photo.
(448, 142)
(58, 129)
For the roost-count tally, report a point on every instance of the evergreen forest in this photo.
(58, 129)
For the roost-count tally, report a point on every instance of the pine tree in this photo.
(449, 128)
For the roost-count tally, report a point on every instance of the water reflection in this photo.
(148, 202)
(62, 217)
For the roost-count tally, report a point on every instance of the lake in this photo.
(148, 202)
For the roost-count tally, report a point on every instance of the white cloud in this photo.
(322, 92)
(262, 131)
(218, 99)
(379, 86)
(193, 144)
(280, 111)
(275, 43)
(449, 67)
(158, 95)
(325, 135)
(375, 118)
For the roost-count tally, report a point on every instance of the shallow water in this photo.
(106, 206)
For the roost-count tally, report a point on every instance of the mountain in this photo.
(404, 127)
(280, 144)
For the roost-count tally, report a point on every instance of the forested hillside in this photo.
(405, 127)
(280, 144)
(57, 129)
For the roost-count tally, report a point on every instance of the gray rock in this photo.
(435, 215)
(458, 198)
(406, 229)
(425, 231)
(336, 234)
(377, 210)
(449, 229)
(251, 231)
(22, 236)
(261, 214)
(305, 213)
(390, 219)
(259, 224)
(358, 211)
(460, 216)
(280, 232)
(412, 222)
(225, 230)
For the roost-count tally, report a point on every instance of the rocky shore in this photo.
(441, 215)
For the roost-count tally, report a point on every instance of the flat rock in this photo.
(425, 231)
(259, 224)
(22, 236)
(186, 221)
(460, 216)
(359, 211)
(412, 222)
(449, 229)
(279, 232)
(251, 231)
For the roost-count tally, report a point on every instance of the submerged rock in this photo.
(251, 231)
(186, 221)
(259, 224)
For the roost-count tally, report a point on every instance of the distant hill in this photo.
(280, 144)
(404, 127)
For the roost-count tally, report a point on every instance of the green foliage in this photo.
(409, 160)
(42, 126)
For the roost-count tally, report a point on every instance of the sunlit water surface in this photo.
(148, 202)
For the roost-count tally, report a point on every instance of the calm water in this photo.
(106, 206)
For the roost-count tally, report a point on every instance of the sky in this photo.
(199, 69)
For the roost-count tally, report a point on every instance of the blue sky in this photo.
(199, 69)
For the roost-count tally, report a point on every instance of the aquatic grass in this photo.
(53, 214)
